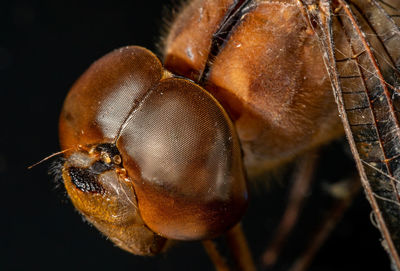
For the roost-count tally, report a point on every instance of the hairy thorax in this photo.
(263, 63)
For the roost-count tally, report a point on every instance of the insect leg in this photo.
(302, 178)
(214, 255)
(240, 250)
(345, 199)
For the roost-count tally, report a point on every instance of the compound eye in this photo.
(100, 101)
(182, 153)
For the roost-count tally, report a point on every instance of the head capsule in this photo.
(158, 155)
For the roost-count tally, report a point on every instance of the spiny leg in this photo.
(217, 259)
(348, 191)
(239, 248)
(302, 178)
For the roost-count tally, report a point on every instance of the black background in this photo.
(44, 47)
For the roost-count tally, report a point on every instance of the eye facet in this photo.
(101, 100)
(154, 155)
(183, 151)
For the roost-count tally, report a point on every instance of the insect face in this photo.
(153, 155)
(100, 190)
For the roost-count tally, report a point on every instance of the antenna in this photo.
(48, 157)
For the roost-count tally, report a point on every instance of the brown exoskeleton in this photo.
(152, 156)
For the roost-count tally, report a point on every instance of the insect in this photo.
(314, 19)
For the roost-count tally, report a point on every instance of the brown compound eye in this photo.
(158, 155)
(182, 153)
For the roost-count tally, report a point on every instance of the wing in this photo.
(360, 41)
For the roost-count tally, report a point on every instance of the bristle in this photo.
(170, 13)
(55, 171)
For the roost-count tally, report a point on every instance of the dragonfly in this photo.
(358, 43)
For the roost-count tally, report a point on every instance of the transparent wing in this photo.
(360, 41)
